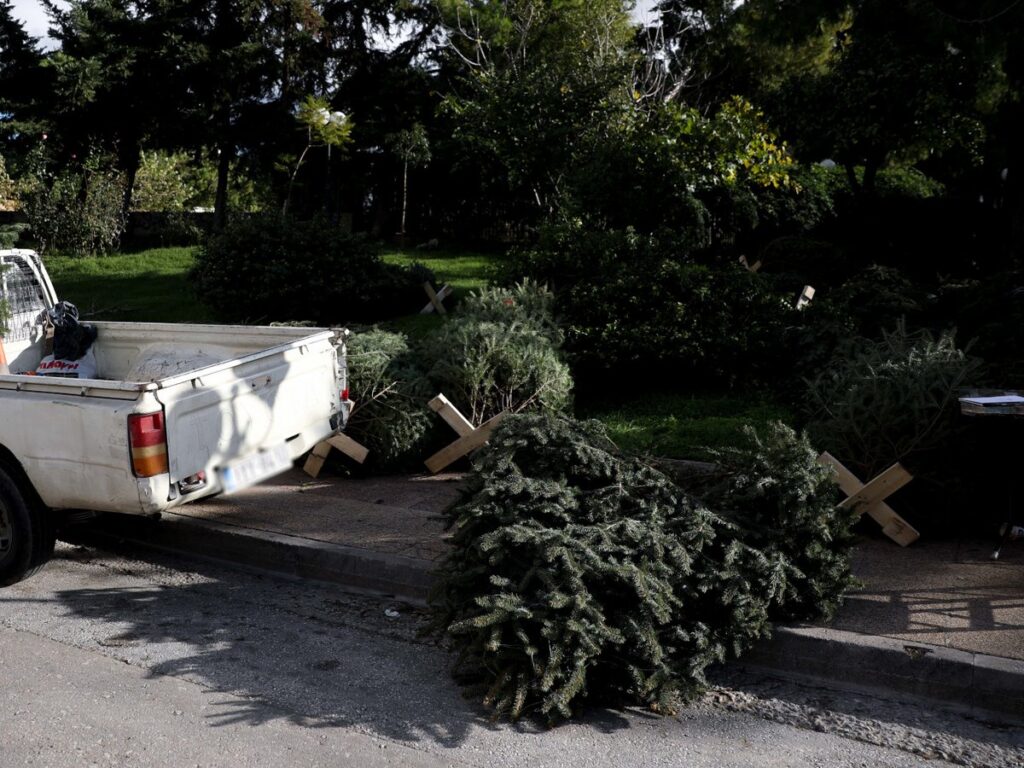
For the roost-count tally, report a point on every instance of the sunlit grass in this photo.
(683, 426)
(148, 286)
(462, 270)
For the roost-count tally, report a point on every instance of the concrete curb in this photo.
(973, 681)
(360, 569)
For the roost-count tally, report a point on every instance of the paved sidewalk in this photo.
(937, 619)
(942, 593)
(390, 515)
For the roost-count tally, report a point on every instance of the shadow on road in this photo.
(305, 652)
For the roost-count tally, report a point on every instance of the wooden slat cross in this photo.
(750, 267)
(436, 303)
(870, 498)
(470, 437)
(343, 443)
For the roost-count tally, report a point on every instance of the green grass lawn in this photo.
(150, 286)
(464, 271)
(683, 426)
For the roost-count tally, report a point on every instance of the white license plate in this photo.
(255, 469)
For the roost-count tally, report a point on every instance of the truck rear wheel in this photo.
(26, 533)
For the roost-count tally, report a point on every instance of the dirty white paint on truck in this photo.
(178, 412)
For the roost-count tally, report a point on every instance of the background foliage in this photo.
(267, 268)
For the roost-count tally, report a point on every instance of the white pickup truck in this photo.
(175, 413)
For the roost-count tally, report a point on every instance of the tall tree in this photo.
(865, 82)
(118, 75)
(412, 147)
(217, 75)
(21, 80)
(534, 78)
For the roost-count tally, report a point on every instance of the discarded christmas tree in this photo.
(579, 576)
(784, 504)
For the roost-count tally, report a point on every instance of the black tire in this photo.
(26, 532)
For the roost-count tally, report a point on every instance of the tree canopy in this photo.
(532, 110)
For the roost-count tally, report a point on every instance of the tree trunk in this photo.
(871, 168)
(405, 196)
(328, 189)
(851, 176)
(220, 206)
(130, 162)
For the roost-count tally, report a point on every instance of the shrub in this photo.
(878, 297)
(262, 268)
(569, 253)
(79, 212)
(907, 182)
(579, 576)
(896, 400)
(8, 189)
(891, 400)
(164, 230)
(710, 326)
(864, 306)
(500, 353)
(10, 233)
(992, 312)
(162, 183)
(632, 307)
(784, 502)
(525, 305)
(803, 205)
(390, 393)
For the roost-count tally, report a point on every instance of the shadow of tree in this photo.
(305, 653)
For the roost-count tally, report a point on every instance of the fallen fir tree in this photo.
(578, 576)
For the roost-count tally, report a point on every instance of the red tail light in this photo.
(149, 444)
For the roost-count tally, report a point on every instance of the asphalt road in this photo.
(138, 659)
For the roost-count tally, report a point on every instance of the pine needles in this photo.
(578, 576)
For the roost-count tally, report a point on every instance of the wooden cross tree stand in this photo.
(750, 267)
(470, 437)
(870, 498)
(343, 443)
(436, 303)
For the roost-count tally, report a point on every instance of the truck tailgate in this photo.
(219, 414)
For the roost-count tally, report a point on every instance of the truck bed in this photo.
(227, 392)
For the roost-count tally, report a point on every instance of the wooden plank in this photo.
(880, 488)
(443, 294)
(899, 530)
(443, 407)
(463, 446)
(750, 267)
(847, 481)
(349, 447)
(893, 526)
(317, 457)
(805, 297)
(435, 300)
